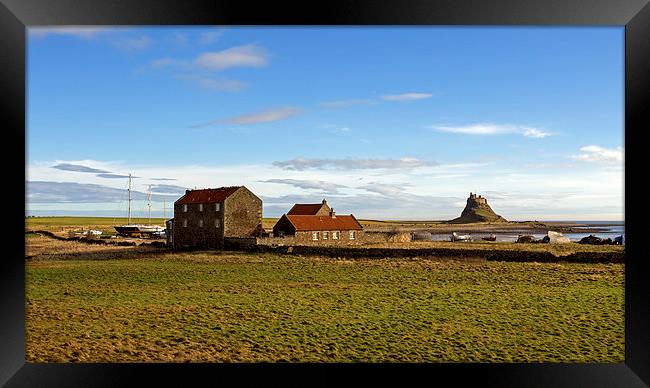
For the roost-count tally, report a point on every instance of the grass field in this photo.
(95, 304)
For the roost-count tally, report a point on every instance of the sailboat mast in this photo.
(149, 203)
(129, 190)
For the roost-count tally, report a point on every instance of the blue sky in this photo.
(390, 122)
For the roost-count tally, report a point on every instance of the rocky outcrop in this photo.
(477, 210)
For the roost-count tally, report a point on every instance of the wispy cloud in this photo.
(387, 189)
(406, 96)
(256, 118)
(266, 116)
(79, 32)
(132, 44)
(163, 62)
(211, 36)
(594, 153)
(72, 192)
(488, 129)
(179, 38)
(78, 168)
(346, 103)
(240, 56)
(220, 84)
(114, 176)
(328, 187)
(163, 179)
(64, 192)
(303, 164)
(168, 189)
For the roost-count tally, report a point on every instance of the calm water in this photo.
(611, 230)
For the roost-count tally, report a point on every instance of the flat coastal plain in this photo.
(96, 303)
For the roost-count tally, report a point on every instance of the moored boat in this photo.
(460, 237)
(138, 230)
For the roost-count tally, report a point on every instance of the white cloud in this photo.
(487, 129)
(85, 32)
(594, 153)
(535, 133)
(241, 56)
(406, 96)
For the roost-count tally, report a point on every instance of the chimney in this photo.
(187, 191)
(324, 202)
(332, 214)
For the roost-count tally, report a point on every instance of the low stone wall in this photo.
(237, 243)
(490, 255)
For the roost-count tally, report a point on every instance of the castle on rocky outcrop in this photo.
(477, 210)
(478, 200)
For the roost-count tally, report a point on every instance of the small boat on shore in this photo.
(460, 237)
(139, 230)
(489, 238)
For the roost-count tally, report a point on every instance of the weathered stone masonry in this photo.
(204, 218)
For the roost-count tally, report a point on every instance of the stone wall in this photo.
(443, 253)
(195, 235)
(242, 214)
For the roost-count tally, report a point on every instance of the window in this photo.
(217, 206)
(200, 223)
(314, 236)
(325, 235)
(352, 235)
(184, 223)
(335, 235)
(217, 223)
(200, 207)
(185, 208)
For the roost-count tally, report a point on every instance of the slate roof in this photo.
(308, 222)
(208, 195)
(305, 209)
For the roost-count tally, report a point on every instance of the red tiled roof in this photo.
(305, 209)
(207, 195)
(303, 223)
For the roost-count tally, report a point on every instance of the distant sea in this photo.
(611, 229)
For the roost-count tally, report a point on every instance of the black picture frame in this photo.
(17, 15)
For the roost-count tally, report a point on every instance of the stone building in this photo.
(328, 227)
(206, 218)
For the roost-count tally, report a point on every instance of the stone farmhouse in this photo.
(318, 222)
(206, 218)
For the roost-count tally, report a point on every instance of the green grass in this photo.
(36, 222)
(263, 307)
